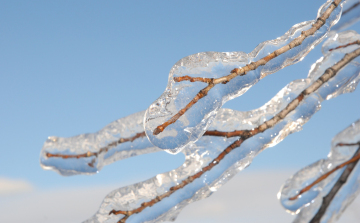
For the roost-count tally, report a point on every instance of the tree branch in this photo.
(339, 183)
(355, 158)
(246, 134)
(244, 70)
(349, 44)
(131, 139)
(101, 150)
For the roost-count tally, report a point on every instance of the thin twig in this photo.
(339, 183)
(343, 46)
(355, 158)
(101, 150)
(246, 134)
(249, 67)
(193, 79)
(130, 139)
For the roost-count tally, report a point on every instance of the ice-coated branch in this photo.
(88, 153)
(335, 190)
(207, 165)
(117, 142)
(182, 114)
(339, 183)
(245, 69)
(354, 159)
(101, 150)
(349, 16)
(349, 44)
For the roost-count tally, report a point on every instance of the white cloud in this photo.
(12, 186)
(249, 197)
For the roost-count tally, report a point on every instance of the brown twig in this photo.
(101, 150)
(324, 176)
(245, 134)
(193, 79)
(130, 139)
(249, 67)
(343, 46)
(224, 134)
(339, 183)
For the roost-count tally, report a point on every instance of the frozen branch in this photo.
(88, 153)
(123, 140)
(245, 135)
(249, 67)
(354, 159)
(101, 150)
(344, 46)
(207, 166)
(350, 16)
(329, 194)
(185, 126)
(339, 183)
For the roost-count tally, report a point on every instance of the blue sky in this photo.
(71, 67)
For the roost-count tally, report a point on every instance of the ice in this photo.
(350, 15)
(94, 143)
(191, 126)
(201, 153)
(310, 202)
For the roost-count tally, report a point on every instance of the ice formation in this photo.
(309, 203)
(191, 125)
(201, 153)
(350, 15)
(88, 153)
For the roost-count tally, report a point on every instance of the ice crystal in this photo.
(191, 126)
(201, 153)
